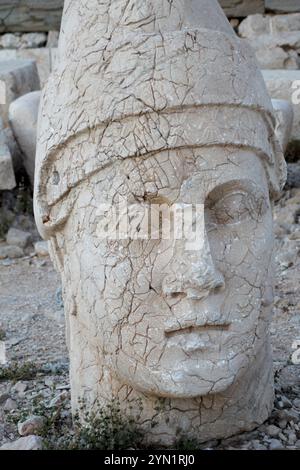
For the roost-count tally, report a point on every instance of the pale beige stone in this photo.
(161, 103)
(23, 115)
(18, 237)
(20, 77)
(237, 8)
(7, 175)
(285, 85)
(24, 443)
(283, 6)
(284, 118)
(29, 15)
(257, 25)
(42, 58)
(275, 39)
(41, 248)
(32, 425)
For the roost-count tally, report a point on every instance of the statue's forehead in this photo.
(178, 172)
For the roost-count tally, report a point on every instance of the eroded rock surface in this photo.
(160, 103)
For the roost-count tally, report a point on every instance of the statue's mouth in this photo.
(194, 328)
(191, 338)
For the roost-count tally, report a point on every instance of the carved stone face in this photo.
(168, 321)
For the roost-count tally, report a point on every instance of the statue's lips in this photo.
(194, 338)
(193, 328)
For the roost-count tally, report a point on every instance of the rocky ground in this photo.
(35, 382)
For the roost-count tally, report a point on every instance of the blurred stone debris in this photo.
(31, 317)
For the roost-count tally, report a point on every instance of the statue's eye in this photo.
(237, 207)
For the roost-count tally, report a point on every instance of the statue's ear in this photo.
(284, 115)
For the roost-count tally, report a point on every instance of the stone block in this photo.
(237, 8)
(286, 6)
(19, 77)
(284, 118)
(7, 176)
(275, 39)
(30, 15)
(23, 114)
(42, 58)
(283, 85)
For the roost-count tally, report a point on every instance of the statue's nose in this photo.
(193, 274)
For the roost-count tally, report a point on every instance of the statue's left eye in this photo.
(237, 207)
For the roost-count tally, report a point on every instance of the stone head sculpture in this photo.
(159, 102)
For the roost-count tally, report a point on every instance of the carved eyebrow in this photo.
(245, 185)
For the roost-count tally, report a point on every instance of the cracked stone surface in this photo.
(160, 103)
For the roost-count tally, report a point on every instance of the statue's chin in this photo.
(179, 383)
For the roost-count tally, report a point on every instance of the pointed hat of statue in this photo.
(138, 77)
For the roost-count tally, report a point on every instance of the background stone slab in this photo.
(30, 15)
(242, 7)
(283, 6)
(45, 15)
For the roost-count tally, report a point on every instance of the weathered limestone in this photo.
(160, 107)
(7, 176)
(32, 425)
(45, 15)
(22, 41)
(10, 251)
(20, 77)
(7, 139)
(286, 6)
(23, 115)
(30, 15)
(275, 39)
(258, 25)
(284, 119)
(285, 85)
(41, 248)
(24, 443)
(16, 237)
(44, 58)
(242, 8)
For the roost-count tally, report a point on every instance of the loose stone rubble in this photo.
(275, 39)
(20, 77)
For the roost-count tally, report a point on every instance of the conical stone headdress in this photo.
(136, 77)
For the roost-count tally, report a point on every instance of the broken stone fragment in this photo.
(23, 115)
(242, 8)
(283, 6)
(9, 251)
(32, 425)
(20, 387)
(284, 121)
(41, 248)
(18, 237)
(275, 39)
(7, 175)
(285, 85)
(10, 405)
(24, 443)
(19, 77)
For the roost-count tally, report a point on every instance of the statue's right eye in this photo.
(237, 207)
